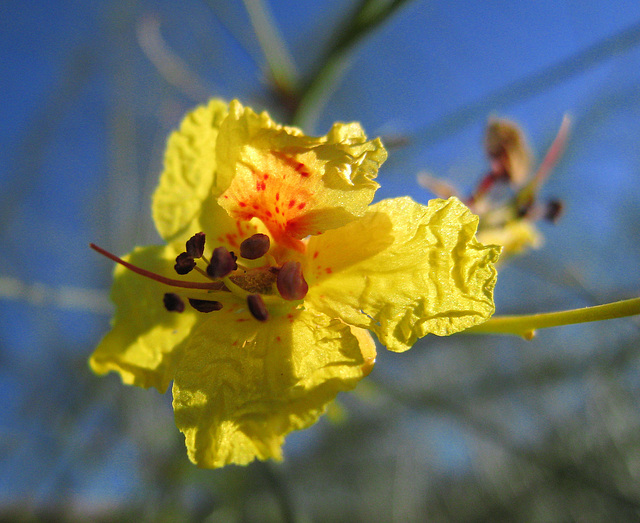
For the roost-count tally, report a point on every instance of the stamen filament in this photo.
(215, 285)
(202, 271)
(551, 158)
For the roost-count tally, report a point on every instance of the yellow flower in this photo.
(516, 236)
(269, 335)
(508, 218)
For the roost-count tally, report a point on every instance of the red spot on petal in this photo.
(328, 270)
(303, 171)
(291, 203)
(231, 238)
(277, 196)
(268, 214)
(315, 255)
(266, 176)
(278, 338)
(241, 204)
(302, 205)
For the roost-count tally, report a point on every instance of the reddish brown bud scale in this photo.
(255, 246)
(291, 283)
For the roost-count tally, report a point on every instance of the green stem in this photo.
(278, 59)
(526, 325)
(320, 83)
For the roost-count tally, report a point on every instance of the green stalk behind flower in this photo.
(526, 325)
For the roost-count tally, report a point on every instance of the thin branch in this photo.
(170, 66)
(280, 62)
(29, 156)
(560, 469)
(531, 85)
(319, 84)
(60, 296)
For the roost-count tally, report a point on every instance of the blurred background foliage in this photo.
(467, 428)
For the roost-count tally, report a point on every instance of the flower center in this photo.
(278, 189)
(226, 275)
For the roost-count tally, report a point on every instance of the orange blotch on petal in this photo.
(231, 240)
(262, 184)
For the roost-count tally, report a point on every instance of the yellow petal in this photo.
(221, 229)
(404, 270)
(242, 386)
(144, 342)
(295, 184)
(190, 175)
(515, 237)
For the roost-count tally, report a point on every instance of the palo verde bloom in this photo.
(275, 269)
(506, 198)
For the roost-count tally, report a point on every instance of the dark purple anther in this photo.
(205, 305)
(195, 245)
(184, 263)
(222, 263)
(554, 210)
(255, 246)
(257, 308)
(173, 302)
(291, 283)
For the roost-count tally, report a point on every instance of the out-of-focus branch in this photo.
(61, 296)
(29, 157)
(560, 468)
(320, 82)
(528, 86)
(279, 61)
(170, 66)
